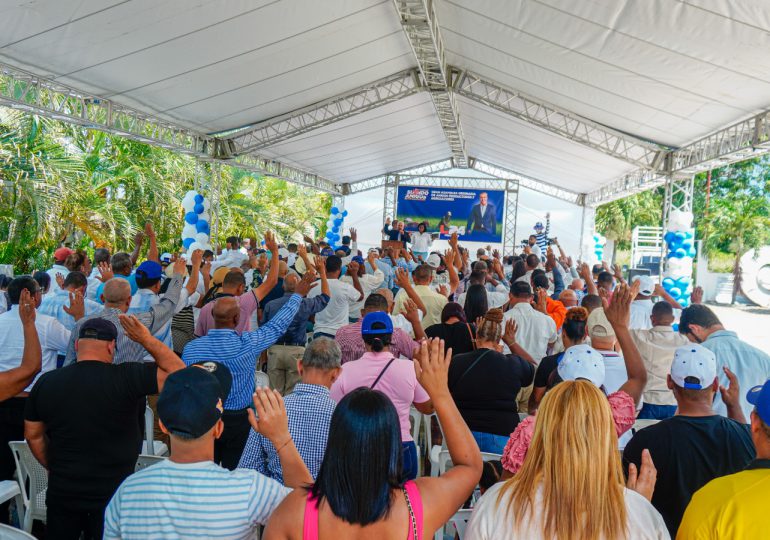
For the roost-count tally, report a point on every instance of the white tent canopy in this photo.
(597, 98)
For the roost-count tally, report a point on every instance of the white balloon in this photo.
(188, 205)
(205, 217)
(189, 231)
(202, 238)
(194, 246)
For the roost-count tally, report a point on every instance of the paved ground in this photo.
(751, 323)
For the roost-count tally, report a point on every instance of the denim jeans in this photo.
(409, 461)
(656, 412)
(488, 442)
(322, 334)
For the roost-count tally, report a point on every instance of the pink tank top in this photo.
(310, 527)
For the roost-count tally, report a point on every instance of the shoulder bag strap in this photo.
(470, 333)
(473, 365)
(382, 373)
(412, 518)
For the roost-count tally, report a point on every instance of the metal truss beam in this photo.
(625, 186)
(25, 91)
(511, 216)
(390, 198)
(360, 100)
(418, 17)
(556, 120)
(740, 141)
(276, 169)
(379, 181)
(460, 182)
(528, 182)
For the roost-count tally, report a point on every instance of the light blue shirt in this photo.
(387, 271)
(54, 303)
(750, 365)
(145, 300)
(131, 280)
(191, 500)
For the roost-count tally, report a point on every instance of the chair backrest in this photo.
(261, 380)
(643, 423)
(11, 533)
(149, 428)
(146, 460)
(416, 417)
(444, 460)
(33, 477)
(426, 418)
(522, 416)
(460, 521)
(490, 456)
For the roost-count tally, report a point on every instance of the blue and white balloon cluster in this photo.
(599, 242)
(680, 240)
(334, 226)
(197, 229)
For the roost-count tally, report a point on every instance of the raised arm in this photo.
(195, 260)
(663, 293)
(302, 252)
(585, 273)
(152, 252)
(402, 281)
(444, 495)
(272, 422)
(319, 264)
(162, 312)
(509, 338)
(272, 275)
(618, 312)
(17, 379)
(353, 273)
(454, 280)
(138, 239)
(166, 360)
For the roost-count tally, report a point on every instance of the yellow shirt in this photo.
(733, 506)
(434, 304)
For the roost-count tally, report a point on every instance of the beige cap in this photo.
(598, 325)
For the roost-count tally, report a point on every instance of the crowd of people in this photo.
(538, 362)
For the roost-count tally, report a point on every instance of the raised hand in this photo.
(442, 290)
(60, 280)
(301, 251)
(731, 395)
(541, 301)
(453, 240)
(320, 265)
(697, 295)
(148, 230)
(206, 268)
(643, 482)
(353, 268)
(431, 365)
(105, 272)
(180, 266)
(77, 308)
(305, 284)
(271, 420)
(509, 336)
(270, 242)
(134, 329)
(496, 255)
(26, 308)
(353, 234)
(401, 278)
(618, 311)
(196, 258)
(138, 238)
(410, 310)
(585, 272)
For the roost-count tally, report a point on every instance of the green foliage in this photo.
(61, 182)
(617, 219)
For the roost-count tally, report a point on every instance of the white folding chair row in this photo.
(147, 460)
(445, 461)
(460, 521)
(33, 483)
(415, 418)
(11, 533)
(150, 446)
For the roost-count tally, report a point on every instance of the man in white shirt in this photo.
(657, 346)
(536, 331)
(496, 298)
(341, 297)
(369, 282)
(641, 307)
(59, 256)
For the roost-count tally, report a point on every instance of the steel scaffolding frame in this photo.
(390, 197)
(418, 17)
(379, 181)
(528, 182)
(360, 100)
(628, 184)
(679, 196)
(276, 169)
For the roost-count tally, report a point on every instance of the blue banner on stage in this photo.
(476, 215)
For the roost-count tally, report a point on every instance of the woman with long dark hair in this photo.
(476, 302)
(360, 490)
(454, 328)
(421, 242)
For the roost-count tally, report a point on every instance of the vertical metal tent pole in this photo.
(215, 187)
(511, 213)
(679, 196)
(587, 228)
(390, 198)
(338, 201)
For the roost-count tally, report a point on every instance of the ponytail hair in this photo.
(378, 342)
(574, 326)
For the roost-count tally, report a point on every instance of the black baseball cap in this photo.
(98, 328)
(192, 400)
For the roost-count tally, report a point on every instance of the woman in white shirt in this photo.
(421, 242)
(571, 483)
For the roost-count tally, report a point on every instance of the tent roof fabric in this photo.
(661, 71)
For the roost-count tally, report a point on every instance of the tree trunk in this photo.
(736, 275)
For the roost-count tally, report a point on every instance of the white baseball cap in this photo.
(434, 261)
(646, 285)
(166, 258)
(582, 362)
(283, 253)
(694, 362)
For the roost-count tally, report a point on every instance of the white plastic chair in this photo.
(9, 489)
(643, 423)
(147, 460)
(460, 521)
(261, 380)
(11, 533)
(150, 446)
(433, 449)
(33, 482)
(444, 460)
(415, 418)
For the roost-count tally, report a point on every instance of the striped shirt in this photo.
(191, 500)
(144, 300)
(240, 352)
(54, 303)
(309, 408)
(154, 319)
(541, 239)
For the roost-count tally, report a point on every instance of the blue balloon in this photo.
(596, 238)
(683, 282)
(688, 235)
(668, 237)
(675, 292)
(202, 226)
(691, 252)
(329, 235)
(685, 245)
(191, 218)
(344, 213)
(675, 327)
(336, 237)
(198, 209)
(679, 237)
(668, 283)
(684, 303)
(338, 222)
(334, 210)
(679, 253)
(187, 242)
(335, 230)
(198, 198)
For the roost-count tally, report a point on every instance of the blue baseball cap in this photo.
(377, 322)
(192, 399)
(358, 259)
(150, 270)
(759, 396)
(327, 252)
(539, 225)
(344, 249)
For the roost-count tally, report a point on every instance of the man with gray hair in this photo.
(309, 409)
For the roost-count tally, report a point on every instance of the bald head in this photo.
(283, 269)
(577, 284)
(226, 312)
(568, 298)
(290, 282)
(117, 294)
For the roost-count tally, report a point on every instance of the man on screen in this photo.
(482, 218)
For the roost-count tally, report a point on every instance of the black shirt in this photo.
(486, 394)
(459, 336)
(545, 369)
(90, 411)
(689, 452)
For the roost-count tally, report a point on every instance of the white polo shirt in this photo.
(640, 314)
(335, 315)
(535, 330)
